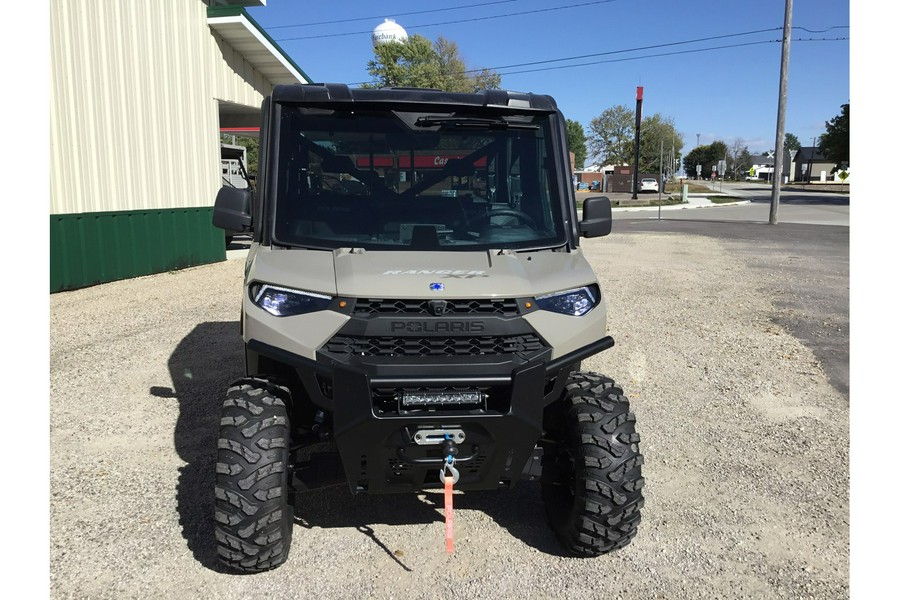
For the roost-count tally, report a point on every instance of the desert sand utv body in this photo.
(416, 302)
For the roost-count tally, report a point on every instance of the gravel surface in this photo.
(746, 446)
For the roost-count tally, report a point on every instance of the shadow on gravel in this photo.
(202, 366)
(520, 511)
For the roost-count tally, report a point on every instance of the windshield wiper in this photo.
(463, 122)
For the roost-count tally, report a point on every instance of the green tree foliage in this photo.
(835, 142)
(577, 142)
(252, 146)
(706, 157)
(419, 63)
(612, 134)
(611, 137)
(658, 132)
(791, 142)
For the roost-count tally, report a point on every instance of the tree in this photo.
(791, 142)
(252, 146)
(738, 158)
(419, 63)
(706, 157)
(835, 142)
(659, 131)
(612, 138)
(577, 142)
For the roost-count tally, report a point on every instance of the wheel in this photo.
(591, 481)
(254, 514)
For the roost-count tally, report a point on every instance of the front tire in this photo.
(254, 515)
(591, 482)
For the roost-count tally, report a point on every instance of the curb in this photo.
(689, 205)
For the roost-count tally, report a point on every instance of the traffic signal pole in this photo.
(637, 141)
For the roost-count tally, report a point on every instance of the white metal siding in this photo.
(134, 110)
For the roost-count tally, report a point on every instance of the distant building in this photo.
(592, 173)
(809, 165)
(761, 167)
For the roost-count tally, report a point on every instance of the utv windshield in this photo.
(388, 180)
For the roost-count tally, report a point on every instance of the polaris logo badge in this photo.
(437, 326)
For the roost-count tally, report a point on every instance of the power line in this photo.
(641, 48)
(694, 41)
(663, 54)
(406, 14)
(524, 12)
(823, 30)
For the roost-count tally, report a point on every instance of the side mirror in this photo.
(232, 209)
(596, 218)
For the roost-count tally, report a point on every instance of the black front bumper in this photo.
(379, 454)
(374, 432)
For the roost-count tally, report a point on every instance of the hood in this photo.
(392, 274)
(458, 274)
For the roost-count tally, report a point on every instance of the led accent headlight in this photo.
(284, 302)
(575, 302)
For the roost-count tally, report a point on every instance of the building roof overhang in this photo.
(256, 46)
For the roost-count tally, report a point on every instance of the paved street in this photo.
(807, 207)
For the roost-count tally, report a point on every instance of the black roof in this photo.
(809, 153)
(339, 93)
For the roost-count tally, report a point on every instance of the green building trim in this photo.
(240, 11)
(91, 248)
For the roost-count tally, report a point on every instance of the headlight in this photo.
(575, 302)
(284, 302)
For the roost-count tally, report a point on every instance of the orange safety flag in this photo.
(448, 512)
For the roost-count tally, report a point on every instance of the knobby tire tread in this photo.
(253, 511)
(592, 483)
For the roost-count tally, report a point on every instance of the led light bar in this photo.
(440, 398)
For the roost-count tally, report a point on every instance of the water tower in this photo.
(388, 32)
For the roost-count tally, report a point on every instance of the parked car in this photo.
(648, 184)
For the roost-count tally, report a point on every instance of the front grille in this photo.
(484, 306)
(346, 345)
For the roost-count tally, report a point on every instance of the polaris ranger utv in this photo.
(416, 303)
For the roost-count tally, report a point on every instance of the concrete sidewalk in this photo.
(623, 198)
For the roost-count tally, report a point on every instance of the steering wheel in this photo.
(505, 212)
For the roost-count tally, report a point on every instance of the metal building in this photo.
(139, 92)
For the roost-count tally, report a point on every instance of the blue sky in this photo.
(721, 94)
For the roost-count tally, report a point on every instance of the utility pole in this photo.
(637, 142)
(672, 162)
(661, 184)
(812, 155)
(782, 108)
(698, 141)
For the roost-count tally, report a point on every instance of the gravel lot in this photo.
(746, 445)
